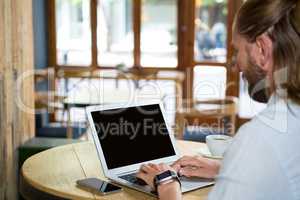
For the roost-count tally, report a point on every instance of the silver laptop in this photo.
(128, 136)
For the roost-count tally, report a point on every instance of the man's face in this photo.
(246, 62)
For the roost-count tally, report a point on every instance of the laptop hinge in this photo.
(127, 172)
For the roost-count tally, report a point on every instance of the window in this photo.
(165, 34)
(115, 33)
(73, 32)
(123, 92)
(140, 33)
(211, 30)
(159, 33)
(209, 82)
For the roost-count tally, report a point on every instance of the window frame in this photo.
(185, 37)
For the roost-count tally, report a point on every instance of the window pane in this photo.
(73, 32)
(159, 33)
(211, 30)
(115, 33)
(122, 92)
(209, 82)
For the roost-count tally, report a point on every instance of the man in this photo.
(263, 161)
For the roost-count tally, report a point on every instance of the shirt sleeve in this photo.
(249, 170)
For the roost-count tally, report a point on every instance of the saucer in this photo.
(204, 151)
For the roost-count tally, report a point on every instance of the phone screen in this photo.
(98, 185)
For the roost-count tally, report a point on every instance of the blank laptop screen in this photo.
(132, 135)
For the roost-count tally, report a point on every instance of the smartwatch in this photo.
(165, 177)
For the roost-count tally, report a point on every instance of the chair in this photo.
(47, 102)
(197, 119)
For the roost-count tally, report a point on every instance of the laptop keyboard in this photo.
(133, 179)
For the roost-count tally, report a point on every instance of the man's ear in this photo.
(264, 48)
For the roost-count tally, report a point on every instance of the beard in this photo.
(257, 82)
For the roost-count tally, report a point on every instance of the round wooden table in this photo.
(56, 171)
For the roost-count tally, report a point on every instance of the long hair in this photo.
(280, 19)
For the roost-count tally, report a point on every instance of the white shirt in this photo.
(263, 162)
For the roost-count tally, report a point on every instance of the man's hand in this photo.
(149, 171)
(197, 166)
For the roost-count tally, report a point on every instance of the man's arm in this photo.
(169, 191)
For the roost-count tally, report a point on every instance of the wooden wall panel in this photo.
(16, 57)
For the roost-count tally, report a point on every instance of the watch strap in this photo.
(172, 176)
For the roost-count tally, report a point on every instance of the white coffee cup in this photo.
(217, 144)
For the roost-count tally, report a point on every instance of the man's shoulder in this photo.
(269, 132)
(277, 119)
(280, 116)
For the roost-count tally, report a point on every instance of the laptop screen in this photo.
(132, 135)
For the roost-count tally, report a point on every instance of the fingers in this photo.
(198, 172)
(184, 158)
(148, 168)
(189, 166)
(189, 172)
(163, 166)
(154, 166)
(195, 166)
(148, 178)
(149, 171)
(179, 163)
(155, 169)
(197, 161)
(176, 167)
(192, 163)
(141, 175)
(188, 161)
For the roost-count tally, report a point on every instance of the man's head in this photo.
(267, 41)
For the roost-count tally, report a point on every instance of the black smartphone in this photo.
(99, 186)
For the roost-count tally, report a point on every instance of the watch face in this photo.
(164, 175)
